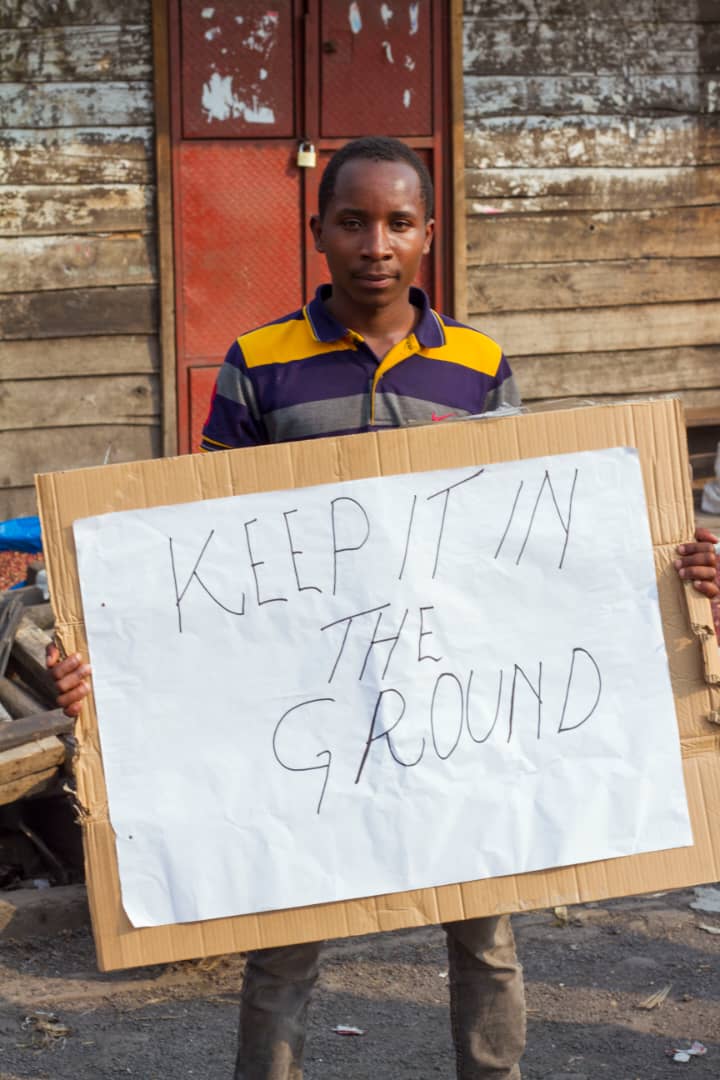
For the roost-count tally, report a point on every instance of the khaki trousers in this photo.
(487, 1004)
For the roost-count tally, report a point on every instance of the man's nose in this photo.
(377, 241)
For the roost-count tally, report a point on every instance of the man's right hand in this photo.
(70, 677)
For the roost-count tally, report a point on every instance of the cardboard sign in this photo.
(560, 606)
(398, 666)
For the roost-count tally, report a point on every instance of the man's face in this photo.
(374, 232)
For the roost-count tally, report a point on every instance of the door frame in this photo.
(454, 203)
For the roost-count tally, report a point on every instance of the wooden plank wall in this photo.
(593, 193)
(78, 323)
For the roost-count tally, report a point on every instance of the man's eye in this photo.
(351, 223)
(402, 224)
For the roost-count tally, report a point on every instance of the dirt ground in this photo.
(585, 980)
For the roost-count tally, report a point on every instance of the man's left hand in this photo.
(698, 563)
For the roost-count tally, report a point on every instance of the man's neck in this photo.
(389, 324)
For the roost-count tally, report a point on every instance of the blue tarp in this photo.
(21, 534)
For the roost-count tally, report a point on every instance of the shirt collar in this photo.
(324, 327)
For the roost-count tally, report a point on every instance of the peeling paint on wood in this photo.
(592, 142)
(22, 453)
(643, 11)
(694, 401)
(33, 210)
(639, 326)
(639, 95)
(536, 190)
(622, 234)
(33, 263)
(77, 155)
(105, 399)
(69, 54)
(546, 47)
(104, 355)
(554, 285)
(79, 366)
(610, 283)
(63, 104)
(644, 371)
(78, 312)
(35, 13)
(593, 216)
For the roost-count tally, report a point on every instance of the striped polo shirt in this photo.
(305, 376)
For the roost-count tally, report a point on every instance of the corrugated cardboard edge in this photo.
(655, 428)
(702, 627)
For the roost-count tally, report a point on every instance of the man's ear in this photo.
(429, 233)
(316, 230)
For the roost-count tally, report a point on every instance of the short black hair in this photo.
(375, 148)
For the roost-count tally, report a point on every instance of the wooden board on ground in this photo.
(39, 783)
(28, 654)
(30, 758)
(18, 701)
(34, 727)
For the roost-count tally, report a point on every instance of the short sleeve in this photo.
(234, 419)
(505, 392)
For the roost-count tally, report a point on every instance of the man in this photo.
(368, 352)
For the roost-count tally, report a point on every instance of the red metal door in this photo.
(248, 85)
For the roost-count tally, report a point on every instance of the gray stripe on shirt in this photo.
(237, 386)
(352, 413)
(507, 393)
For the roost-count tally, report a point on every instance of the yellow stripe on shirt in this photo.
(281, 343)
(468, 347)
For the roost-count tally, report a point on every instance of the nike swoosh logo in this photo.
(445, 416)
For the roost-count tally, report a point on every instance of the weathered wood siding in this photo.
(78, 324)
(593, 193)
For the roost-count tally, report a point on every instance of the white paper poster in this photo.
(379, 685)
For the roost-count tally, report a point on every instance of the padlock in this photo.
(306, 156)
